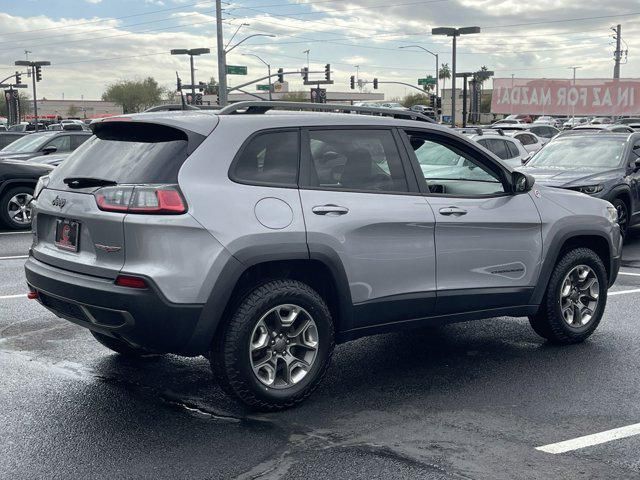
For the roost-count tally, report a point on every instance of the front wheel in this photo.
(276, 347)
(575, 298)
(623, 215)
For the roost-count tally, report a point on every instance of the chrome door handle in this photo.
(453, 211)
(330, 210)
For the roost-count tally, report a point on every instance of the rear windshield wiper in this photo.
(85, 182)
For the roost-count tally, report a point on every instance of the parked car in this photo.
(394, 105)
(7, 138)
(17, 181)
(44, 143)
(574, 122)
(601, 121)
(505, 121)
(524, 118)
(529, 140)
(264, 259)
(548, 120)
(603, 165)
(544, 132)
(508, 149)
(628, 121)
(617, 128)
(424, 109)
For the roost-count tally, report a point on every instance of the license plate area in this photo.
(67, 234)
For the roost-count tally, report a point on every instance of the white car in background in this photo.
(505, 147)
(574, 122)
(529, 140)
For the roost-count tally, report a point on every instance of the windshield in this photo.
(27, 144)
(580, 152)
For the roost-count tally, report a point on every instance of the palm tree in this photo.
(445, 72)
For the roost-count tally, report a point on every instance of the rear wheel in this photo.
(120, 346)
(575, 299)
(275, 349)
(15, 207)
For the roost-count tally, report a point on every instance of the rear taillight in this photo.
(150, 199)
(130, 281)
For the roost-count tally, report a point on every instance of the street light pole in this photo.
(454, 33)
(192, 52)
(437, 65)
(268, 70)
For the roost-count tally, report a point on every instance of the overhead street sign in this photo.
(263, 88)
(427, 81)
(236, 70)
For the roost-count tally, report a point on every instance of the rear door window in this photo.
(131, 152)
(269, 158)
(499, 147)
(513, 150)
(77, 140)
(356, 159)
(62, 143)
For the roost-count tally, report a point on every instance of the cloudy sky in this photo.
(92, 43)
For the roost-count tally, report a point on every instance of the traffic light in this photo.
(439, 102)
(38, 73)
(432, 101)
(305, 73)
(327, 72)
(18, 78)
(281, 75)
(375, 83)
(353, 82)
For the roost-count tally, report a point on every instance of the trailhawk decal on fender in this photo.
(513, 271)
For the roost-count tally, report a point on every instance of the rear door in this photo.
(488, 241)
(71, 232)
(364, 213)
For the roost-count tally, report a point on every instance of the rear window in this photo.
(129, 152)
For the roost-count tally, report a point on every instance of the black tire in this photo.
(122, 347)
(549, 322)
(230, 352)
(5, 218)
(623, 214)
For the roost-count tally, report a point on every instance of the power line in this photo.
(107, 19)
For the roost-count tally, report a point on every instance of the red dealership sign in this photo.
(543, 96)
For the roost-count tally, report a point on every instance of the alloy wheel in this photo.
(283, 346)
(19, 208)
(579, 296)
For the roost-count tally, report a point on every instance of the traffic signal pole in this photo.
(35, 97)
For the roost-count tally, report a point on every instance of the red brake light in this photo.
(150, 199)
(130, 281)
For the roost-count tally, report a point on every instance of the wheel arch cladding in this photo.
(594, 240)
(237, 279)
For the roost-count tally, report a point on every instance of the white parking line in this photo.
(15, 233)
(590, 440)
(14, 257)
(629, 274)
(7, 297)
(622, 292)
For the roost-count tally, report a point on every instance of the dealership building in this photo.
(53, 109)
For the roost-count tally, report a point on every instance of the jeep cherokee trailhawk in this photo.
(261, 238)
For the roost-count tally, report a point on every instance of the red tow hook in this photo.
(32, 295)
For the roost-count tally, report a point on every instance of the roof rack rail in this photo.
(259, 107)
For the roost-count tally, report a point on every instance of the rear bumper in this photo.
(142, 317)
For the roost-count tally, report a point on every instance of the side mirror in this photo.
(524, 160)
(49, 149)
(522, 182)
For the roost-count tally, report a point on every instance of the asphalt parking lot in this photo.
(466, 401)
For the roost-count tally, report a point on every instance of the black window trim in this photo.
(231, 172)
(467, 147)
(306, 163)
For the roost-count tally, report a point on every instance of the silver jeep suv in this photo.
(260, 239)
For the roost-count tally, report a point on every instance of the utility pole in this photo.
(222, 58)
(437, 66)
(455, 33)
(618, 53)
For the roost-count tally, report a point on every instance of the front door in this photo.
(488, 241)
(360, 210)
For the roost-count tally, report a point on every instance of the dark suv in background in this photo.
(601, 164)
